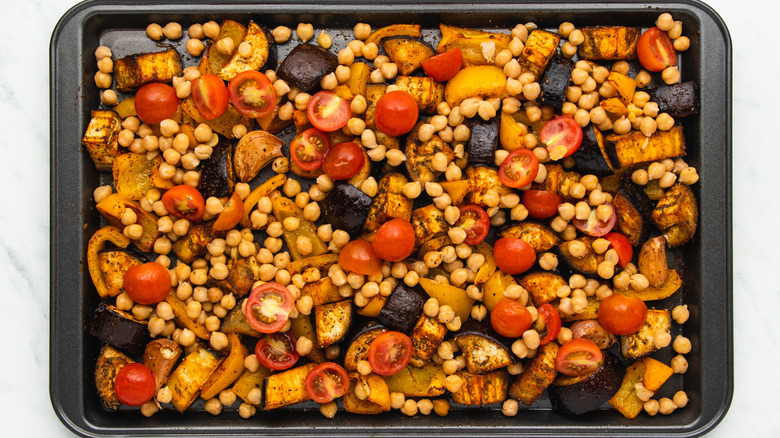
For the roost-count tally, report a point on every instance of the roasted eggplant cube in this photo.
(193, 244)
(402, 308)
(625, 150)
(120, 329)
(361, 341)
(407, 53)
(389, 203)
(590, 156)
(633, 210)
(483, 141)
(242, 274)
(536, 376)
(677, 214)
(677, 100)
(217, 176)
(541, 237)
(427, 335)
(482, 389)
(332, 322)
(419, 155)
(109, 362)
(578, 395)
(428, 223)
(305, 66)
(483, 348)
(427, 93)
(555, 81)
(586, 265)
(542, 286)
(346, 208)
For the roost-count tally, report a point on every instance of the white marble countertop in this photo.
(25, 408)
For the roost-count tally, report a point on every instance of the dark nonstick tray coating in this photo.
(707, 260)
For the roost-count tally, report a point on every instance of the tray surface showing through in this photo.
(707, 260)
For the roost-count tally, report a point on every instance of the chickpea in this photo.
(680, 399)
(154, 31)
(680, 314)
(666, 406)
(651, 407)
(102, 80)
(679, 364)
(682, 44)
(682, 344)
(662, 339)
(109, 97)
(689, 176)
(671, 75)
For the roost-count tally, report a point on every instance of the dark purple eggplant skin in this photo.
(555, 81)
(346, 207)
(273, 56)
(632, 197)
(677, 100)
(485, 330)
(567, 267)
(591, 392)
(483, 141)
(217, 177)
(403, 307)
(305, 66)
(121, 332)
(589, 157)
(362, 325)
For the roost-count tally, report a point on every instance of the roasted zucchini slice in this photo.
(193, 244)
(538, 51)
(419, 155)
(427, 93)
(428, 223)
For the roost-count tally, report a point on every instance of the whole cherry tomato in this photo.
(252, 94)
(396, 113)
(155, 102)
(541, 204)
(394, 241)
(444, 66)
(622, 315)
(210, 96)
(562, 136)
(134, 384)
(578, 357)
(326, 382)
(343, 161)
(148, 283)
(510, 318)
(390, 352)
(513, 256)
(655, 50)
(358, 256)
(184, 202)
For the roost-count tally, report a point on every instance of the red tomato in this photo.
(510, 318)
(326, 382)
(513, 256)
(578, 357)
(147, 284)
(622, 246)
(328, 112)
(622, 315)
(252, 94)
(475, 221)
(210, 96)
(343, 161)
(519, 168)
(231, 215)
(541, 204)
(394, 241)
(594, 226)
(276, 351)
(308, 148)
(184, 202)
(396, 113)
(655, 50)
(444, 66)
(389, 353)
(562, 136)
(358, 256)
(549, 316)
(134, 384)
(155, 102)
(268, 307)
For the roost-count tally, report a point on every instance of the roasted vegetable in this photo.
(346, 208)
(625, 150)
(332, 321)
(389, 203)
(217, 175)
(109, 362)
(135, 174)
(100, 138)
(590, 157)
(624, 86)
(482, 389)
(407, 53)
(652, 261)
(625, 400)
(248, 381)
(113, 207)
(286, 388)
(377, 395)
(113, 264)
(222, 125)
(615, 42)
(242, 274)
(642, 342)
(120, 329)
(193, 244)
(483, 348)
(373, 93)
(592, 330)
(133, 71)
(261, 191)
(457, 190)
(283, 208)
(263, 52)
(633, 213)
(542, 286)
(188, 378)
(213, 61)
(179, 308)
(477, 47)
(578, 395)
(160, 356)
(236, 322)
(358, 78)
(560, 181)
(672, 285)
(555, 81)
(402, 307)
(677, 214)
(361, 341)
(427, 93)
(449, 295)
(586, 265)
(539, 236)
(489, 267)
(483, 179)
(254, 151)
(305, 66)
(483, 141)
(494, 288)
(677, 100)
(229, 370)
(426, 337)
(483, 81)
(322, 291)
(301, 326)
(96, 244)
(538, 51)
(425, 381)
(614, 107)
(419, 155)
(412, 30)
(428, 223)
(536, 376)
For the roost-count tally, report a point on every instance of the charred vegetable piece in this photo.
(672, 285)
(180, 316)
(120, 329)
(254, 151)
(427, 93)
(109, 362)
(590, 157)
(677, 214)
(112, 208)
(536, 376)
(578, 395)
(425, 381)
(263, 52)
(101, 277)
(305, 66)
(426, 337)
(213, 60)
(482, 389)
(555, 81)
(402, 308)
(361, 341)
(242, 273)
(134, 174)
(193, 244)
(483, 81)
(236, 322)
(286, 388)
(428, 223)
(560, 181)
(642, 342)
(346, 208)
(160, 356)
(113, 265)
(542, 286)
(419, 155)
(407, 53)
(332, 321)
(222, 125)
(100, 138)
(302, 327)
(412, 30)
(133, 71)
(586, 265)
(625, 150)
(483, 348)
(677, 100)
(483, 141)
(217, 177)
(609, 42)
(541, 237)
(229, 370)
(389, 203)
(538, 51)
(322, 291)
(377, 391)
(483, 179)
(188, 378)
(633, 213)
(591, 330)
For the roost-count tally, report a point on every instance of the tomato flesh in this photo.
(541, 204)
(343, 161)
(328, 112)
(276, 351)
(578, 357)
(210, 96)
(231, 215)
(358, 256)
(155, 102)
(551, 320)
(308, 149)
(562, 136)
(513, 256)
(394, 241)
(655, 50)
(444, 66)
(519, 168)
(622, 246)
(622, 315)
(475, 221)
(134, 384)
(252, 94)
(148, 283)
(510, 318)
(396, 113)
(593, 226)
(389, 353)
(184, 202)
(326, 382)
(268, 307)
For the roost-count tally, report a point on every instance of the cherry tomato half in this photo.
(252, 94)
(562, 137)
(276, 351)
(184, 202)
(510, 318)
(343, 161)
(593, 226)
(231, 215)
(444, 66)
(655, 50)
(328, 112)
(326, 382)
(519, 168)
(308, 148)
(475, 221)
(268, 307)
(394, 241)
(148, 283)
(541, 204)
(550, 319)
(134, 384)
(622, 246)
(210, 96)
(622, 315)
(396, 113)
(513, 256)
(578, 357)
(358, 256)
(155, 102)
(389, 353)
